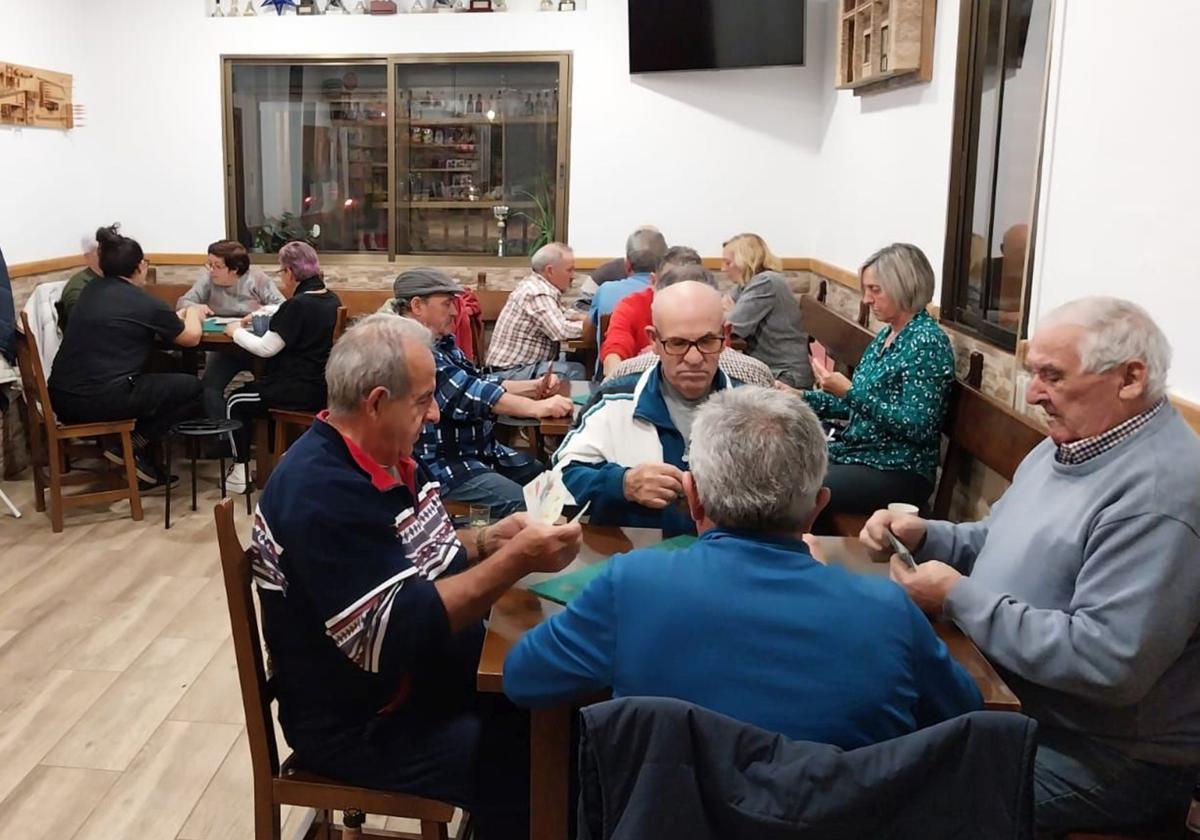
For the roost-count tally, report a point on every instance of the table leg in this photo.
(167, 508)
(549, 772)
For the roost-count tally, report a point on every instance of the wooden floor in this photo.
(120, 713)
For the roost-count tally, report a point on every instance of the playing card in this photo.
(545, 497)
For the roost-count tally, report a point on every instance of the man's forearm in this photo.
(468, 596)
(611, 362)
(512, 405)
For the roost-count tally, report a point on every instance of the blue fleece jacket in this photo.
(753, 627)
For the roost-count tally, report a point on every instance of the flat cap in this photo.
(422, 281)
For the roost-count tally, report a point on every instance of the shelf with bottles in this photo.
(449, 106)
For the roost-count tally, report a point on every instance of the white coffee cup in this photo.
(899, 508)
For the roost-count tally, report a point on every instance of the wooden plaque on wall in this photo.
(35, 97)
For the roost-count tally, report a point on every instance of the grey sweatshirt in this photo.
(1084, 589)
(766, 315)
(252, 290)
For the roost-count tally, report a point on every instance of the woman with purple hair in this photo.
(296, 346)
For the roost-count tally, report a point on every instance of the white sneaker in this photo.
(237, 479)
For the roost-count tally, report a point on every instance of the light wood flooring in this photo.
(120, 712)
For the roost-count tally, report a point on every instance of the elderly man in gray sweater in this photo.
(1083, 585)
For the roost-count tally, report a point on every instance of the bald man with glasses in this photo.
(629, 452)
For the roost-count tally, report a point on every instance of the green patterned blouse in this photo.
(896, 402)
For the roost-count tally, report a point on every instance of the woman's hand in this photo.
(829, 381)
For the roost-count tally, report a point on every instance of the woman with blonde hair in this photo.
(763, 310)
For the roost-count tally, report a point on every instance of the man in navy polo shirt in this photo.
(373, 603)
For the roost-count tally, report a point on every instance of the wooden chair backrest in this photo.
(491, 303)
(339, 325)
(168, 293)
(979, 427)
(247, 647)
(360, 302)
(33, 380)
(845, 340)
(604, 322)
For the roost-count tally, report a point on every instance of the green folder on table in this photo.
(215, 325)
(561, 589)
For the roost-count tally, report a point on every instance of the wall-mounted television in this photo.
(714, 34)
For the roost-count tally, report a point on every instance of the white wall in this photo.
(884, 160)
(704, 155)
(45, 196)
(1119, 210)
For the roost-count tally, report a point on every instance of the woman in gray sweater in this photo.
(763, 311)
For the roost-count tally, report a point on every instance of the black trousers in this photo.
(477, 759)
(156, 401)
(247, 404)
(855, 488)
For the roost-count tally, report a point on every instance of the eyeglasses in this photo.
(708, 345)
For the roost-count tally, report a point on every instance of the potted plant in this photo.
(542, 215)
(277, 231)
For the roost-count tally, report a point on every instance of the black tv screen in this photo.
(714, 34)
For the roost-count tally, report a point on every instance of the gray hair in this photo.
(682, 273)
(680, 255)
(372, 353)
(904, 273)
(645, 249)
(549, 254)
(1116, 331)
(758, 458)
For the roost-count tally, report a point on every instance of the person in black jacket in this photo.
(98, 372)
(296, 347)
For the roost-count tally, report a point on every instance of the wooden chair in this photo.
(276, 783)
(285, 421)
(49, 455)
(339, 324)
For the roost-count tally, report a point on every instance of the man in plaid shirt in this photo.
(460, 451)
(533, 324)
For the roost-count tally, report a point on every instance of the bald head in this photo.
(688, 334)
(687, 301)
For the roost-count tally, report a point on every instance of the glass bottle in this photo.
(470, 104)
(479, 104)
(528, 110)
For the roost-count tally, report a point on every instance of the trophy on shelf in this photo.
(308, 7)
(383, 7)
(336, 7)
(418, 7)
(250, 10)
(480, 6)
(547, 6)
(216, 12)
(566, 5)
(500, 211)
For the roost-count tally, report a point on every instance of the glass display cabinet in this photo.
(422, 156)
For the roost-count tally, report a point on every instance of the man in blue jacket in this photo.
(745, 622)
(628, 455)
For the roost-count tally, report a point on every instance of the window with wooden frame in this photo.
(999, 111)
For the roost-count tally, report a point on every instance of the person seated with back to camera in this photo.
(627, 456)
(295, 346)
(79, 280)
(894, 406)
(460, 450)
(745, 621)
(98, 373)
(228, 288)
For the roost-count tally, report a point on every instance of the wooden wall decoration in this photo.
(884, 44)
(33, 97)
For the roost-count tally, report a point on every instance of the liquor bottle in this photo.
(528, 110)
(470, 104)
(479, 104)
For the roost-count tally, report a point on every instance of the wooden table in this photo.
(519, 610)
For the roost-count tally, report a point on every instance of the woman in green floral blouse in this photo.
(888, 451)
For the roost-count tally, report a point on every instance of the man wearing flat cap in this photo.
(460, 451)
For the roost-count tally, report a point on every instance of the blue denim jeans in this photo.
(1080, 783)
(503, 490)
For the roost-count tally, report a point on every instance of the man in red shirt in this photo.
(625, 336)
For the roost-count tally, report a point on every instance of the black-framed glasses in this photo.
(708, 345)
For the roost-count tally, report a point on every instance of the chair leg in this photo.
(195, 451)
(167, 490)
(267, 825)
(56, 502)
(135, 496)
(280, 442)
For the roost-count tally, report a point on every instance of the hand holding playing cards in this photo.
(654, 485)
(555, 407)
(548, 548)
(548, 385)
(829, 381)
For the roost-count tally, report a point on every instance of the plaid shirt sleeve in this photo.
(553, 321)
(463, 397)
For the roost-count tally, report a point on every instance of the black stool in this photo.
(195, 431)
